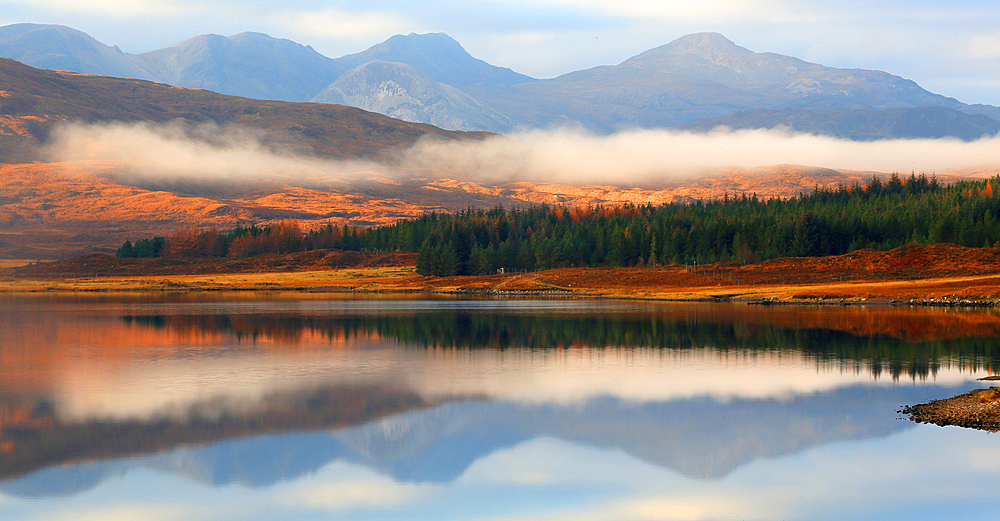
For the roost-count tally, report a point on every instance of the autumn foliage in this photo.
(877, 215)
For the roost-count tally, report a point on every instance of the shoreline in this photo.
(690, 294)
(940, 275)
(977, 409)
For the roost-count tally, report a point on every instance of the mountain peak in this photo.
(426, 40)
(709, 47)
(439, 56)
(58, 47)
(249, 64)
(698, 41)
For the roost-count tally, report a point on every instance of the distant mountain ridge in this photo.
(251, 65)
(695, 82)
(62, 48)
(702, 76)
(860, 125)
(438, 56)
(404, 92)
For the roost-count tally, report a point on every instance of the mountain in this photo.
(711, 58)
(34, 101)
(986, 110)
(696, 77)
(430, 78)
(438, 56)
(404, 92)
(860, 125)
(251, 65)
(60, 48)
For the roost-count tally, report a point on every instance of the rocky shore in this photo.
(979, 409)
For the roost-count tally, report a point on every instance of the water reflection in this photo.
(406, 395)
(899, 341)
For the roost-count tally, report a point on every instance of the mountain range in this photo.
(696, 82)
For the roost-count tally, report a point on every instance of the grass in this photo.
(15, 263)
(957, 274)
(568, 280)
(989, 396)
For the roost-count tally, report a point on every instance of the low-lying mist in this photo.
(648, 156)
(147, 155)
(200, 159)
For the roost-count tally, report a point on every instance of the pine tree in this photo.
(126, 251)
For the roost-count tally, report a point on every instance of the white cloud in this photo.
(115, 8)
(788, 487)
(339, 24)
(186, 152)
(650, 376)
(661, 155)
(983, 46)
(341, 495)
(124, 512)
(686, 10)
(340, 487)
(207, 388)
(624, 159)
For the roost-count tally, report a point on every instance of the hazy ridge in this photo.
(698, 81)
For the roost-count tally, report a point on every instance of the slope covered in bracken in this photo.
(34, 101)
(58, 210)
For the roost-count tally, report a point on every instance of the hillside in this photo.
(33, 101)
(860, 125)
(251, 65)
(58, 210)
(404, 92)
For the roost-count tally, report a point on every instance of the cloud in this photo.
(646, 9)
(227, 385)
(123, 512)
(347, 494)
(182, 152)
(661, 155)
(339, 24)
(116, 8)
(983, 46)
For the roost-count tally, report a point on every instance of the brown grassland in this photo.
(938, 274)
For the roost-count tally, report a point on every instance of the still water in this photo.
(247, 407)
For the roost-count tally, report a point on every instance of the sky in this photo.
(948, 47)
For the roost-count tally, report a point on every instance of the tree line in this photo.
(244, 241)
(876, 214)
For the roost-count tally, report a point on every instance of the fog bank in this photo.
(211, 153)
(649, 155)
(185, 152)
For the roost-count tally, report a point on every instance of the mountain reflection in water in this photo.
(262, 392)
